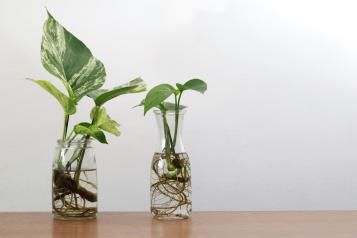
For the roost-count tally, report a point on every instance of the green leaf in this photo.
(67, 103)
(99, 136)
(157, 95)
(69, 59)
(86, 128)
(103, 95)
(181, 87)
(193, 84)
(164, 106)
(140, 104)
(171, 106)
(82, 128)
(102, 120)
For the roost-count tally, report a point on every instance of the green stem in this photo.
(71, 139)
(177, 113)
(64, 135)
(80, 159)
(169, 145)
(75, 153)
(79, 162)
(65, 127)
(70, 135)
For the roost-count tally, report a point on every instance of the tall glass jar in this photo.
(74, 181)
(170, 170)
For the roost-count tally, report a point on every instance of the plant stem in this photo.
(169, 145)
(64, 134)
(65, 127)
(177, 113)
(70, 135)
(80, 160)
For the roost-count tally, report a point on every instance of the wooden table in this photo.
(205, 225)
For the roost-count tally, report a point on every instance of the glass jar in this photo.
(74, 181)
(170, 170)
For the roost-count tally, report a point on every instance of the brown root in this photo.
(65, 181)
(171, 194)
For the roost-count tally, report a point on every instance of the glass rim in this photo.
(75, 142)
(182, 111)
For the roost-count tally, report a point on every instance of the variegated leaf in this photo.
(69, 59)
(85, 128)
(102, 120)
(67, 103)
(101, 96)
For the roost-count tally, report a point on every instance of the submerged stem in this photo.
(80, 160)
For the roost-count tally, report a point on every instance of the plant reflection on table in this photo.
(172, 229)
(86, 228)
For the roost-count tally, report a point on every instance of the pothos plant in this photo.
(69, 59)
(170, 169)
(156, 98)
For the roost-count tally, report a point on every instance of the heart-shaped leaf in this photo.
(157, 95)
(110, 126)
(102, 120)
(69, 59)
(67, 103)
(101, 96)
(86, 128)
(193, 84)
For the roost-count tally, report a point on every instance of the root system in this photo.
(171, 186)
(70, 199)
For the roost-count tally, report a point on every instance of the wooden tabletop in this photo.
(205, 224)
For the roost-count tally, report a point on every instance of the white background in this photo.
(277, 129)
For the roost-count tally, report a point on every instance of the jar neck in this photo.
(76, 143)
(73, 154)
(170, 130)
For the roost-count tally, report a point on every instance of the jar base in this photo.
(170, 218)
(73, 218)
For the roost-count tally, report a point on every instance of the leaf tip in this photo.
(48, 12)
(145, 111)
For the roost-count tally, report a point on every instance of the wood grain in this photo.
(206, 224)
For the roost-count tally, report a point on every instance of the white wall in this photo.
(277, 129)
